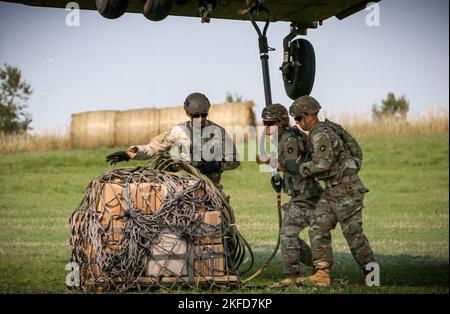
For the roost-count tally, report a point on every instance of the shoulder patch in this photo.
(291, 148)
(324, 147)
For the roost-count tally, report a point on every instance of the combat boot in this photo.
(320, 278)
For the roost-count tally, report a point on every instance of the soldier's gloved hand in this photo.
(207, 167)
(292, 167)
(304, 172)
(117, 157)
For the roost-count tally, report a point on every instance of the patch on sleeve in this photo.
(291, 149)
(324, 147)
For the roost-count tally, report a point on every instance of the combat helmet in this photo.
(196, 103)
(303, 106)
(276, 113)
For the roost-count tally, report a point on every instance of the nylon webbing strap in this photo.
(191, 265)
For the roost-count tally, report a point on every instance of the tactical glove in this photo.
(208, 167)
(117, 157)
(292, 167)
(304, 171)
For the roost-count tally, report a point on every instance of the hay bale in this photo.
(169, 117)
(93, 129)
(233, 114)
(227, 114)
(112, 128)
(136, 126)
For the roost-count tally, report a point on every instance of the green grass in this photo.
(406, 217)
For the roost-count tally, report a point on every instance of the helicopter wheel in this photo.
(156, 10)
(111, 9)
(299, 72)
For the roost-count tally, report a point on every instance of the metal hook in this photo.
(254, 11)
(263, 46)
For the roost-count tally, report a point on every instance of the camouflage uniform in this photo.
(342, 200)
(182, 136)
(304, 193)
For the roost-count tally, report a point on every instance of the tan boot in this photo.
(320, 278)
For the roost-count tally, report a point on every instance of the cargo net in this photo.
(162, 225)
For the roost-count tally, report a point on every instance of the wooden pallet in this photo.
(203, 279)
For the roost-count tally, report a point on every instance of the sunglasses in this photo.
(196, 116)
(269, 123)
(299, 118)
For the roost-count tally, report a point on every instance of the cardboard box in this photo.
(148, 196)
(111, 205)
(213, 218)
(210, 260)
(110, 210)
(208, 240)
(168, 258)
(199, 193)
(145, 196)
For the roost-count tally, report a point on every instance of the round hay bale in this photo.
(169, 117)
(93, 129)
(233, 114)
(136, 126)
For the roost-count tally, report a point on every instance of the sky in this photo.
(132, 62)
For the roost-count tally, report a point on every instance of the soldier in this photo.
(304, 192)
(336, 159)
(190, 138)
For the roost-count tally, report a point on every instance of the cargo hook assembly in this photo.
(263, 47)
(264, 56)
(276, 180)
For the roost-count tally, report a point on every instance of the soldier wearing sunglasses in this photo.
(336, 160)
(191, 150)
(304, 192)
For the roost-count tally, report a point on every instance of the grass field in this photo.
(406, 217)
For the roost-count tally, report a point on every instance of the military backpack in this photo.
(349, 142)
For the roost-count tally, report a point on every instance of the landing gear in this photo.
(111, 9)
(205, 9)
(156, 10)
(299, 65)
